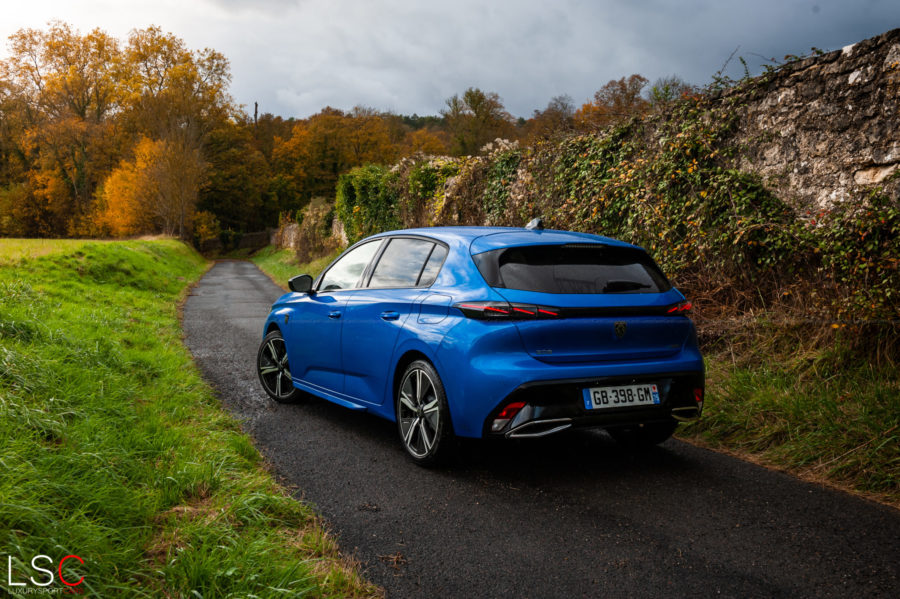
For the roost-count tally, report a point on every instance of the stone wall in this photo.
(318, 232)
(286, 236)
(826, 128)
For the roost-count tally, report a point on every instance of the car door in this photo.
(376, 314)
(314, 348)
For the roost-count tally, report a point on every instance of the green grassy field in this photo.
(14, 250)
(115, 450)
(782, 400)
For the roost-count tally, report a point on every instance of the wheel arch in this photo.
(403, 363)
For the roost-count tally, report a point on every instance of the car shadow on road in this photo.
(573, 456)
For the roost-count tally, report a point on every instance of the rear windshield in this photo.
(572, 269)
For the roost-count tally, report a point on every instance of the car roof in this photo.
(483, 239)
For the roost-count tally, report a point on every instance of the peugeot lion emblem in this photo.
(620, 329)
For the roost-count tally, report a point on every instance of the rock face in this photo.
(826, 127)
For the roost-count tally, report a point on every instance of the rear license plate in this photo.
(598, 398)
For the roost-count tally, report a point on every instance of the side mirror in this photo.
(301, 284)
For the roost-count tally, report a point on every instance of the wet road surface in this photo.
(569, 516)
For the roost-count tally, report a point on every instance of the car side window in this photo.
(347, 271)
(401, 263)
(433, 266)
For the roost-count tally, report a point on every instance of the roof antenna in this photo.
(536, 224)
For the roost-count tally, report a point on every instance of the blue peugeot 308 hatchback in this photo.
(489, 332)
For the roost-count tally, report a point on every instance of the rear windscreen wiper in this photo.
(614, 286)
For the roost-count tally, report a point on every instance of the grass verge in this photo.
(13, 251)
(805, 406)
(281, 265)
(115, 450)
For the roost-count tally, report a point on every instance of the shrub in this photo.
(366, 201)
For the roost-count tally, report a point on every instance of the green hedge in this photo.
(366, 201)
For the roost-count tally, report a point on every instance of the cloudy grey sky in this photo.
(296, 56)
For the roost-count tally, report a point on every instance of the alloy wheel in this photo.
(419, 413)
(274, 372)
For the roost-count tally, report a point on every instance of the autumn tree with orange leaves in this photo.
(101, 136)
(81, 114)
(556, 119)
(476, 118)
(617, 101)
(63, 135)
(155, 191)
(330, 143)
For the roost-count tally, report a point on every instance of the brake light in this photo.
(504, 310)
(680, 308)
(508, 412)
(698, 397)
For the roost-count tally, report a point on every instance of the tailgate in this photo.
(585, 333)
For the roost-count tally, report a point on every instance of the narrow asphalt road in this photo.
(570, 516)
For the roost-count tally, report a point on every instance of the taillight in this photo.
(680, 308)
(485, 310)
(504, 310)
(508, 412)
(698, 397)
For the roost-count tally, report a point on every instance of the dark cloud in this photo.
(410, 56)
(296, 56)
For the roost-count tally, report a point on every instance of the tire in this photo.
(423, 418)
(274, 371)
(640, 437)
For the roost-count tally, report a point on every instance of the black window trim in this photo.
(424, 264)
(367, 275)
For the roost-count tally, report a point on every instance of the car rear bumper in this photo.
(483, 367)
(552, 406)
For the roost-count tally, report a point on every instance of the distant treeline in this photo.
(108, 137)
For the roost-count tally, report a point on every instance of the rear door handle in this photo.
(334, 314)
(390, 315)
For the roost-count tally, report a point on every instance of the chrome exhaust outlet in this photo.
(686, 414)
(556, 425)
